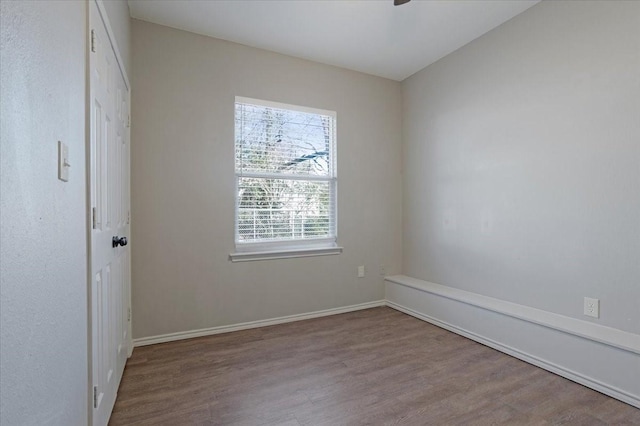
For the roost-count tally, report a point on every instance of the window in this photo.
(285, 166)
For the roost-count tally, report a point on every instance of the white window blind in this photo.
(285, 175)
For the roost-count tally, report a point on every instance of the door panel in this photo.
(109, 173)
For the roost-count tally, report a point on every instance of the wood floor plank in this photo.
(376, 366)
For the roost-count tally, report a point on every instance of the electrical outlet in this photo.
(592, 307)
(383, 271)
(360, 271)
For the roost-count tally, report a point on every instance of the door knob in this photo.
(119, 241)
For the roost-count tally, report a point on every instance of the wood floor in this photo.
(376, 366)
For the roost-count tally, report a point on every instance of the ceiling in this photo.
(371, 36)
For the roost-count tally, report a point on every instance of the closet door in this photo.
(109, 194)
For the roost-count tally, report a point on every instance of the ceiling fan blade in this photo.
(399, 2)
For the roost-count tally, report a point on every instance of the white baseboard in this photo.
(144, 341)
(601, 358)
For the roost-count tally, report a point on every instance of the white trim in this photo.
(605, 363)
(531, 359)
(285, 245)
(438, 290)
(163, 338)
(283, 254)
(280, 105)
(596, 332)
(310, 178)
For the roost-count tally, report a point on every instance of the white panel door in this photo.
(109, 194)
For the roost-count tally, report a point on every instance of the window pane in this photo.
(283, 209)
(273, 140)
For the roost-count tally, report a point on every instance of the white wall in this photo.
(43, 295)
(43, 234)
(183, 184)
(522, 163)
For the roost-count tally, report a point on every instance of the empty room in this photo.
(319, 212)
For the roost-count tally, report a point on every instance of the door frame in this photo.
(88, 184)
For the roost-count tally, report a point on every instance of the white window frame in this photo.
(264, 250)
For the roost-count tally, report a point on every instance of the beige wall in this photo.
(183, 184)
(522, 163)
(43, 233)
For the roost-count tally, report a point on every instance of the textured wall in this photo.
(43, 292)
(522, 163)
(183, 184)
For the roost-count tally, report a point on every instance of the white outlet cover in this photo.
(360, 271)
(592, 307)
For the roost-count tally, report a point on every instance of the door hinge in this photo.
(128, 216)
(129, 314)
(95, 397)
(128, 120)
(93, 40)
(93, 218)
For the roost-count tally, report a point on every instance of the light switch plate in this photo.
(63, 162)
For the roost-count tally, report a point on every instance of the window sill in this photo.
(283, 254)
